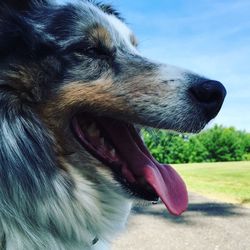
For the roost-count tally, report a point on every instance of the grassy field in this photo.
(227, 181)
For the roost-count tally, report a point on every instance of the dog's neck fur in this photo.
(65, 224)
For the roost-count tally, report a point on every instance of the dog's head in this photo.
(74, 85)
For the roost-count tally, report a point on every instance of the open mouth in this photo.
(119, 146)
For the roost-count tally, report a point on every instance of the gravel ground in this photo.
(206, 225)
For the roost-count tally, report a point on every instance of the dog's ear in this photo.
(23, 5)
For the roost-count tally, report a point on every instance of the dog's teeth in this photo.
(93, 130)
(113, 153)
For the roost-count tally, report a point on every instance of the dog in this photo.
(74, 91)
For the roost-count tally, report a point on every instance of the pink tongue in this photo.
(162, 178)
(169, 186)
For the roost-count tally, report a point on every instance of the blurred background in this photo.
(212, 38)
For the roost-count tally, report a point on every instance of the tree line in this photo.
(213, 145)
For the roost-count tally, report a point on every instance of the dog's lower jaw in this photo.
(70, 221)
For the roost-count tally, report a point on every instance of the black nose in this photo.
(209, 95)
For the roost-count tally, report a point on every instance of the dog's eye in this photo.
(100, 52)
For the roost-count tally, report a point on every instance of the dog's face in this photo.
(77, 68)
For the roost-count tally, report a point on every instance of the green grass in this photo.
(227, 181)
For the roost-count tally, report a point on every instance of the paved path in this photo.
(207, 225)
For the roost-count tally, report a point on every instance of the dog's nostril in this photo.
(210, 95)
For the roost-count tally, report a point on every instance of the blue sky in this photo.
(210, 37)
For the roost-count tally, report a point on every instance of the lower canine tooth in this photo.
(112, 152)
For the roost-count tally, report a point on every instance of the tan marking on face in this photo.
(96, 95)
(103, 97)
(98, 35)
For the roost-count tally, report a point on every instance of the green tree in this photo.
(196, 151)
(215, 144)
(223, 144)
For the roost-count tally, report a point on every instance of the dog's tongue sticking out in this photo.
(164, 180)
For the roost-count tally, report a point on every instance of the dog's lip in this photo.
(138, 166)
